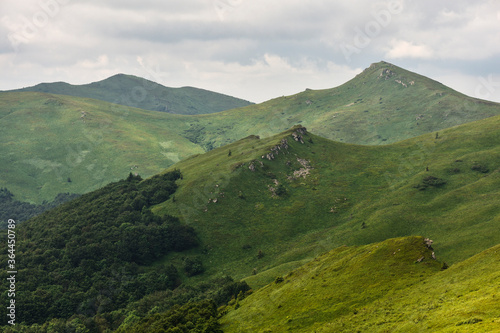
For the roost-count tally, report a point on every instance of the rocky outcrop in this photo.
(386, 74)
(253, 164)
(298, 134)
(302, 172)
(282, 147)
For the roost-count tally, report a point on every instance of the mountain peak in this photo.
(134, 91)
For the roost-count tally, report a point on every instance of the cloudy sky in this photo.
(252, 49)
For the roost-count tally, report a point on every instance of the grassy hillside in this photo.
(54, 144)
(50, 139)
(258, 218)
(383, 104)
(137, 92)
(259, 208)
(380, 287)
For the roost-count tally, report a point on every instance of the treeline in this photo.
(91, 255)
(184, 309)
(22, 211)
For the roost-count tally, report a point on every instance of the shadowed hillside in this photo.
(140, 93)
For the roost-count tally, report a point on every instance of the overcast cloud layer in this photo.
(255, 50)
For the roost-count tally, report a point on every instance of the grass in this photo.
(47, 138)
(379, 287)
(354, 195)
(137, 92)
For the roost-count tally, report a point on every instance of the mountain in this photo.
(49, 139)
(54, 144)
(140, 93)
(383, 104)
(141, 253)
(262, 206)
(392, 286)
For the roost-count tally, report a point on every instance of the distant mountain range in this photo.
(140, 93)
(49, 139)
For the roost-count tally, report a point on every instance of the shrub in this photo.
(480, 168)
(430, 181)
(280, 190)
(434, 181)
(193, 267)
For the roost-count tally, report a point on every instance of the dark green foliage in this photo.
(469, 321)
(430, 181)
(281, 190)
(22, 211)
(88, 256)
(191, 317)
(195, 133)
(480, 168)
(193, 267)
(454, 171)
(433, 181)
(260, 255)
(229, 291)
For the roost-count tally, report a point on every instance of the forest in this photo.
(94, 255)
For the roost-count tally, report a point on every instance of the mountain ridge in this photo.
(134, 91)
(373, 108)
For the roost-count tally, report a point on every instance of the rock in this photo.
(428, 242)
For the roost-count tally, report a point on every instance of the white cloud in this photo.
(405, 49)
(251, 49)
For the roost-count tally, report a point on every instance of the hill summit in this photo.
(130, 90)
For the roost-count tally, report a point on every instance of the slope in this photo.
(54, 144)
(258, 208)
(137, 92)
(44, 132)
(392, 286)
(383, 104)
(262, 206)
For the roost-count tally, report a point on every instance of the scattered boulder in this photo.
(428, 242)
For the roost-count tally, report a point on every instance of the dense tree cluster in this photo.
(22, 211)
(191, 317)
(91, 255)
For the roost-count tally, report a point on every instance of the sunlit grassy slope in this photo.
(137, 92)
(46, 139)
(380, 287)
(445, 188)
